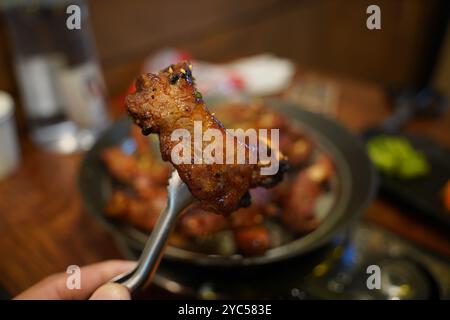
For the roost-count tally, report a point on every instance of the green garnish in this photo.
(395, 156)
(198, 96)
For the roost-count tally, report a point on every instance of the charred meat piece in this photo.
(297, 148)
(199, 223)
(253, 215)
(294, 143)
(168, 101)
(322, 169)
(122, 166)
(299, 213)
(138, 171)
(252, 241)
(140, 212)
(246, 217)
(141, 169)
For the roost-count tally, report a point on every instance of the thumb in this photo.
(111, 291)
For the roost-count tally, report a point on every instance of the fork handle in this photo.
(153, 250)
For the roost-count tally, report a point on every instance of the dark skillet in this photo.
(354, 190)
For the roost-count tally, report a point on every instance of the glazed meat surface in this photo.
(168, 101)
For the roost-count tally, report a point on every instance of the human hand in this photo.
(93, 284)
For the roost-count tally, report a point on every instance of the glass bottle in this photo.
(61, 85)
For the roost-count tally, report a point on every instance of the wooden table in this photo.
(44, 228)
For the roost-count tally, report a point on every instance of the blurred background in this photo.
(324, 35)
(61, 88)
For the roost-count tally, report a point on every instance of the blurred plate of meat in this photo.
(329, 183)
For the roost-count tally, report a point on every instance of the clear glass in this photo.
(62, 89)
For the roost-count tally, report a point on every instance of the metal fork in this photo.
(179, 197)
